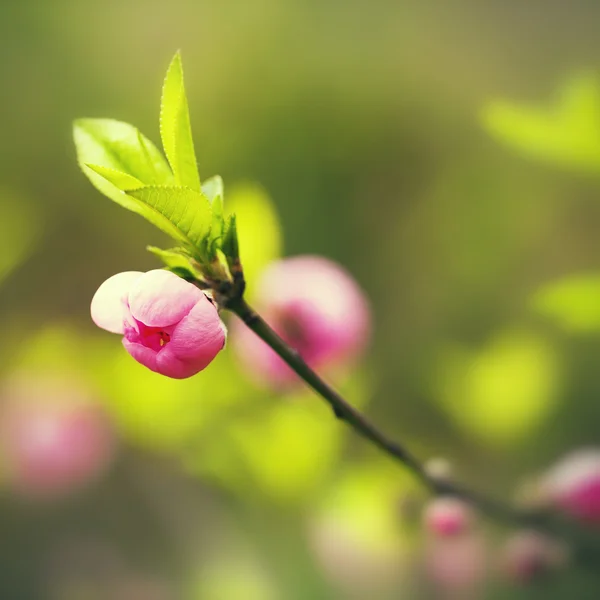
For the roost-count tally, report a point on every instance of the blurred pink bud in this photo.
(448, 516)
(316, 307)
(53, 438)
(359, 566)
(573, 485)
(169, 325)
(528, 554)
(457, 566)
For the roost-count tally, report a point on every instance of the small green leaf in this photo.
(119, 146)
(230, 239)
(176, 260)
(180, 212)
(573, 303)
(175, 129)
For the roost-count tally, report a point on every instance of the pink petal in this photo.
(160, 298)
(317, 307)
(109, 304)
(194, 344)
(145, 356)
(171, 366)
(200, 335)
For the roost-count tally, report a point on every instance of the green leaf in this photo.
(566, 133)
(121, 147)
(573, 303)
(182, 213)
(175, 129)
(230, 239)
(176, 260)
(120, 180)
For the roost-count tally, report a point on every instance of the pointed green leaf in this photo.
(230, 239)
(121, 147)
(113, 184)
(176, 260)
(182, 213)
(120, 180)
(175, 129)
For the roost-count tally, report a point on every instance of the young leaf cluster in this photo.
(127, 167)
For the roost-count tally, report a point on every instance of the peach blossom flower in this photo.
(168, 324)
(316, 307)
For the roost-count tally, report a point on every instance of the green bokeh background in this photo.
(363, 123)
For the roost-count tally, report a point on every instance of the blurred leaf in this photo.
(355, 529)
(567, 133)
(249, 583)
(122, 148)
(284, 448)
(173, 416)
(572, 302)
(19, 230)
(504, 391)
(176, 260)
(175, 129)
(365, 500)
(258, 229)
(291, 449)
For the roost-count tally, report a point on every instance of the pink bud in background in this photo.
(447, 517)
(316, 307)
(168, 324)
(573, 485)
(528, 554)
(53, 438)
(456, 566)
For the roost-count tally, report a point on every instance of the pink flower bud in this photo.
(53, 438)
(457, 566)
(316, 307)
(448, 517)
(573, 485)
(528, 554)
(168, 324)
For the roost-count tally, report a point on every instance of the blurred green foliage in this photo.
(362, 123)
(567, 133)
(572, 302)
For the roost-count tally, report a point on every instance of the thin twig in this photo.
(588, 544)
